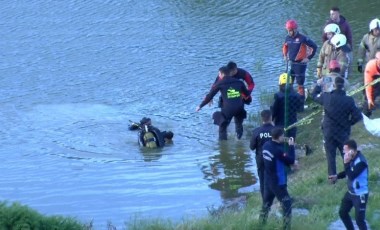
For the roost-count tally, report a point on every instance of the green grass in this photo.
(16, 216)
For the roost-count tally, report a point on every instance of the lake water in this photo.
(74, 73)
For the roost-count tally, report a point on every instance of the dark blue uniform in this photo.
(276, 160)
(340, 114)
(297, 48)
(231, 91)
(244, 76)
(294, 103)
(260, 135)
(357, 195)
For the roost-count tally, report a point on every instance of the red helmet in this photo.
(334, 64)
(291, 24)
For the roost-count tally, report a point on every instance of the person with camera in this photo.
(277, 157)
(356, 171)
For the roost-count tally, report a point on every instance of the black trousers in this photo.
(281, 193)
(331, 144)
(223, 119)
(360, 204)
(260, 172)
(298, 72)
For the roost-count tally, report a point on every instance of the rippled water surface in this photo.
(73, 73)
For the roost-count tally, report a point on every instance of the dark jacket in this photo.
(299, 47)
(357, 173)
(294, 104)
(242, 75)
(231, 90)
(340, 112)
(276, 160)
(345, 29)
(260, 135)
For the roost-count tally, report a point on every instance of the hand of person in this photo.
(360, 68)
(198, 108)
(305, 60)
(333, 178)
(319, 72)
(371, 105)
(247, 100)
(291, 141)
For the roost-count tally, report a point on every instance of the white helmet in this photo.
(332, 28)
(375, 23)
(338, 40)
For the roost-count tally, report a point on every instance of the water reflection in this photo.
(230, 170)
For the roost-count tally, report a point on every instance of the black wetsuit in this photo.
(231, 91)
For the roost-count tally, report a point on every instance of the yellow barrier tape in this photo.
(309, 118)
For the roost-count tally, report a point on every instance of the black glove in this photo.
(247, 100)
(360, 68)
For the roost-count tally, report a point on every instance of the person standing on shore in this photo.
(325, 53)
(356, 171)
(340, 113)
(286, 104)
(299, 50)
(369, 45)
(341, 21)
(260, 135)
(277, 157)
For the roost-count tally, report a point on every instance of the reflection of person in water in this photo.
(228, 172)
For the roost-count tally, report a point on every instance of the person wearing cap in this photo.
(335, 48)
(242, 75)
(341, 21)
(287, 103)
(151, 137)
(232, 91)
(327, 81)
(369, 44)
(299, 50)
(371, 73)
(277, 158)
(340, 113)
(260, 135)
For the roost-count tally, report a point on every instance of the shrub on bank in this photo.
(16, 216)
